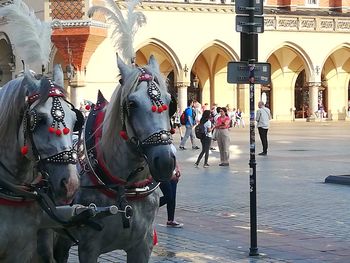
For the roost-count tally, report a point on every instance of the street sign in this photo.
(244, 25)
(242, 7)
(238, 72)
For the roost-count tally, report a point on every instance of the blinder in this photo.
(80, 120)
(172, 106)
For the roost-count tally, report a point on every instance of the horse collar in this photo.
(94, 165)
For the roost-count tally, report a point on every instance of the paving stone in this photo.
(300, 218)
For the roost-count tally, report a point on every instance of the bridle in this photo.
(14, 194)
(30, 123)
(162, 137)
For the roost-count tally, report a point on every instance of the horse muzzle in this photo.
(64, 182)
(161, 162)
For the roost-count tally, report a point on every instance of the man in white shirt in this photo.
(263, 117)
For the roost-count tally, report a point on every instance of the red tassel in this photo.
(66, 130)
(172, 130)
(165, 107)
(52, 130)
(155, 237)
(154, 108)
(160, 109)
(24, 150)
(87, 107)
(58, 132)
(123, 135)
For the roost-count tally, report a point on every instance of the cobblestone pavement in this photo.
(300, 218)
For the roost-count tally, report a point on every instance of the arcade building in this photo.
(307, 43)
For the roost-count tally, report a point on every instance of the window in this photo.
(311, 2)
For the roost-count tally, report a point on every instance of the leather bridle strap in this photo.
(20, 190)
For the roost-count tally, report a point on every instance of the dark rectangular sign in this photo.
(238, 72)
(242, 7)
(243, 24)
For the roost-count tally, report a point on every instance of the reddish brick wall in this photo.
(67, 9)
(322, 3)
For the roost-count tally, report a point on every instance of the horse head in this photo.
(48, 122)
(140, 113)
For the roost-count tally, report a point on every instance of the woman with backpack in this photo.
(206, 126)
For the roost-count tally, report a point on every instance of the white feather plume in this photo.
(30, 36)
(123, 30)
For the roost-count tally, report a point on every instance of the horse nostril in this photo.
(156, 163)
(63, 183)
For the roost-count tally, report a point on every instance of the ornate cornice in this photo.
(316, 21)
(310, 24)
(185, 7)
(79, 23)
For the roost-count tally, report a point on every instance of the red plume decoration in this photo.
(24, 150)
(124, 135)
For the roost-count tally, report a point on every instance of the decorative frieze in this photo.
(273, 22)
(79, 23)
(308, 24)
(343, 25)
(290, 23)
(327, 25)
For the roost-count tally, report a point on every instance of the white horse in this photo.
(37, 159)
(138, 112)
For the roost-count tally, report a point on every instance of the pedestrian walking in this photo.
(176, 122)
(223, 137)
(190, 123)
(168, 189)
(263, 117)
(206, 140)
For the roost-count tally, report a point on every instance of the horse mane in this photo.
(113, 122)
(12, 101)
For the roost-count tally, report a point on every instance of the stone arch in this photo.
(161, 50)
(209, 66)
(335, 80)
(7, 59)
(288, 61)
(169, 63)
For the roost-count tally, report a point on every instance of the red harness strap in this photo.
(131, 193)
(17, 203)
(98, 135)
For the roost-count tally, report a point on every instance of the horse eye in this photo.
(156, 80)
(132, 105)
(42, 118)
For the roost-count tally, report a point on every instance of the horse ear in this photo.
(153, 63)
(100, 98)
(32, 83)
(124, 69)
(58, 77)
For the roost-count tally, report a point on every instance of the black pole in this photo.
(253, 251)
(249, 53)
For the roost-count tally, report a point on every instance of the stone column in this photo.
(76, 88)
(313, 97)
(182, 94)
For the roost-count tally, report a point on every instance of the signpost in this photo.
(249, 23)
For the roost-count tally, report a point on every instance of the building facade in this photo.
(307, 43)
